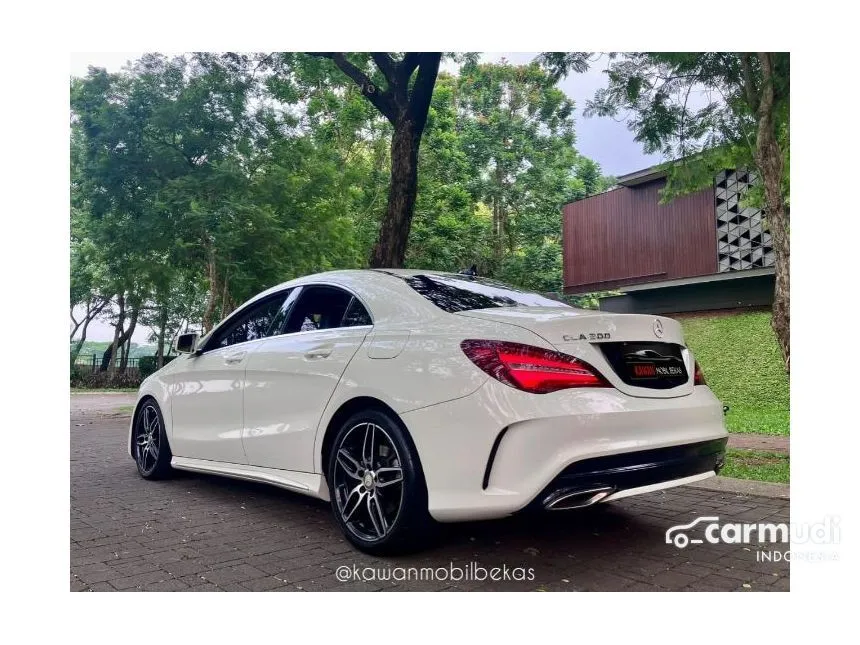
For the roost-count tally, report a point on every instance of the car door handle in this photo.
(232, 359)
(322, 351)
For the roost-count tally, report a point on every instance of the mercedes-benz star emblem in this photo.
(658, 328)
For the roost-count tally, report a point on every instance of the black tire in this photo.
(376, 513)
(150, 448)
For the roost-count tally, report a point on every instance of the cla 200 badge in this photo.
(590, 336)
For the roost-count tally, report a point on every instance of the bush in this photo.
(147, 365)
(101, 380)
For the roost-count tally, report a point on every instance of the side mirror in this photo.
(187, 343)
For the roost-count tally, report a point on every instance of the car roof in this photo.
(406, 273)
(350, 277)
(389, 298)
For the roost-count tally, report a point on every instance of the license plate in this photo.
(647, 364)
(671, 368)
(644, 371)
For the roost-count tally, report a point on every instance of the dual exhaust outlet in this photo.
(568, 499)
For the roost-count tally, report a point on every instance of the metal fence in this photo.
(93, 362)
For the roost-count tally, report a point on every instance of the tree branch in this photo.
(386, 65)
(422, 91)
(380, 100)
(765, 105)
(408, 65)
(749, 82)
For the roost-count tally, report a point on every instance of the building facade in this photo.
(702, 251)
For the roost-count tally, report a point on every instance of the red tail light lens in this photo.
(531, 369)
(699, 375)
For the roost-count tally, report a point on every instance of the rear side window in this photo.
(318, 307)
(462, 293)
(356, 315)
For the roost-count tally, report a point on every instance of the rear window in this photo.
(463, 292)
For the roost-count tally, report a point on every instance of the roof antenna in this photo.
(471, 271)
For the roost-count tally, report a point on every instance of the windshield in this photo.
(463, 292)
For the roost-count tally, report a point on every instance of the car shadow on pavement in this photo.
(599, 530)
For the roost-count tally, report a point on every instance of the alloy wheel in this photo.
(368, 481)
(147, 439)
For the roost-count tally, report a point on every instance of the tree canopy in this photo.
(199, 180)
(705, 112)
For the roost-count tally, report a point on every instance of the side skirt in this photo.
(310, 484)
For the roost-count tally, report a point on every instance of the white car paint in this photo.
(300, 371)
(260, 410)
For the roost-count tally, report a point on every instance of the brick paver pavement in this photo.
(202, 533)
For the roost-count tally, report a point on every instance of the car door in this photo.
(291, 377)
(207, 394)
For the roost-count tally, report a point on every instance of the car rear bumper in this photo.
(499, 450)
(597, 479)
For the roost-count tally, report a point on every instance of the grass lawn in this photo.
(743, 366)
(757, 464)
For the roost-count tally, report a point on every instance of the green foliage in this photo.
(497, 164)
(696, 107)
(87, 380)
(199, 180)
(91, 347)
(743, 366)
(148, 365)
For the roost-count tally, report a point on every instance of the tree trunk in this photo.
(126, 339)
(79, 345)
(390, 249)
(209, 313)
(108, 362)
(405, 104)
(162, 331)
(94, 307)
(77, 325)
(499, 219)
(224, 309)
(769, 161)
(77, 350)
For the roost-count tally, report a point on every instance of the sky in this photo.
(605, 140)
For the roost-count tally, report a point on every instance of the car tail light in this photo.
(698, 375)
(531, 369)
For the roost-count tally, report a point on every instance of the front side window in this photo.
(462, 293)
(318, 307)
(260, 320)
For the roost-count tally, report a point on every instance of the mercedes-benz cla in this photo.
(410, 396)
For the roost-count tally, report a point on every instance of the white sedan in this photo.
(408, 396)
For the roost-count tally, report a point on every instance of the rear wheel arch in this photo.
(349, 408)
(404, 524)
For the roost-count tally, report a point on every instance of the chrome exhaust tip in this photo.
(567, 499)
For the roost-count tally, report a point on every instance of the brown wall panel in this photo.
(626, 237)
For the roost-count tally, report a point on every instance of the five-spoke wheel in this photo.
(368, 481)
(151, 452)
(377, 489)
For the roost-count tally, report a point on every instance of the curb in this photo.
(744, 487)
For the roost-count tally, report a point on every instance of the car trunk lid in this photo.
(641, 355)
